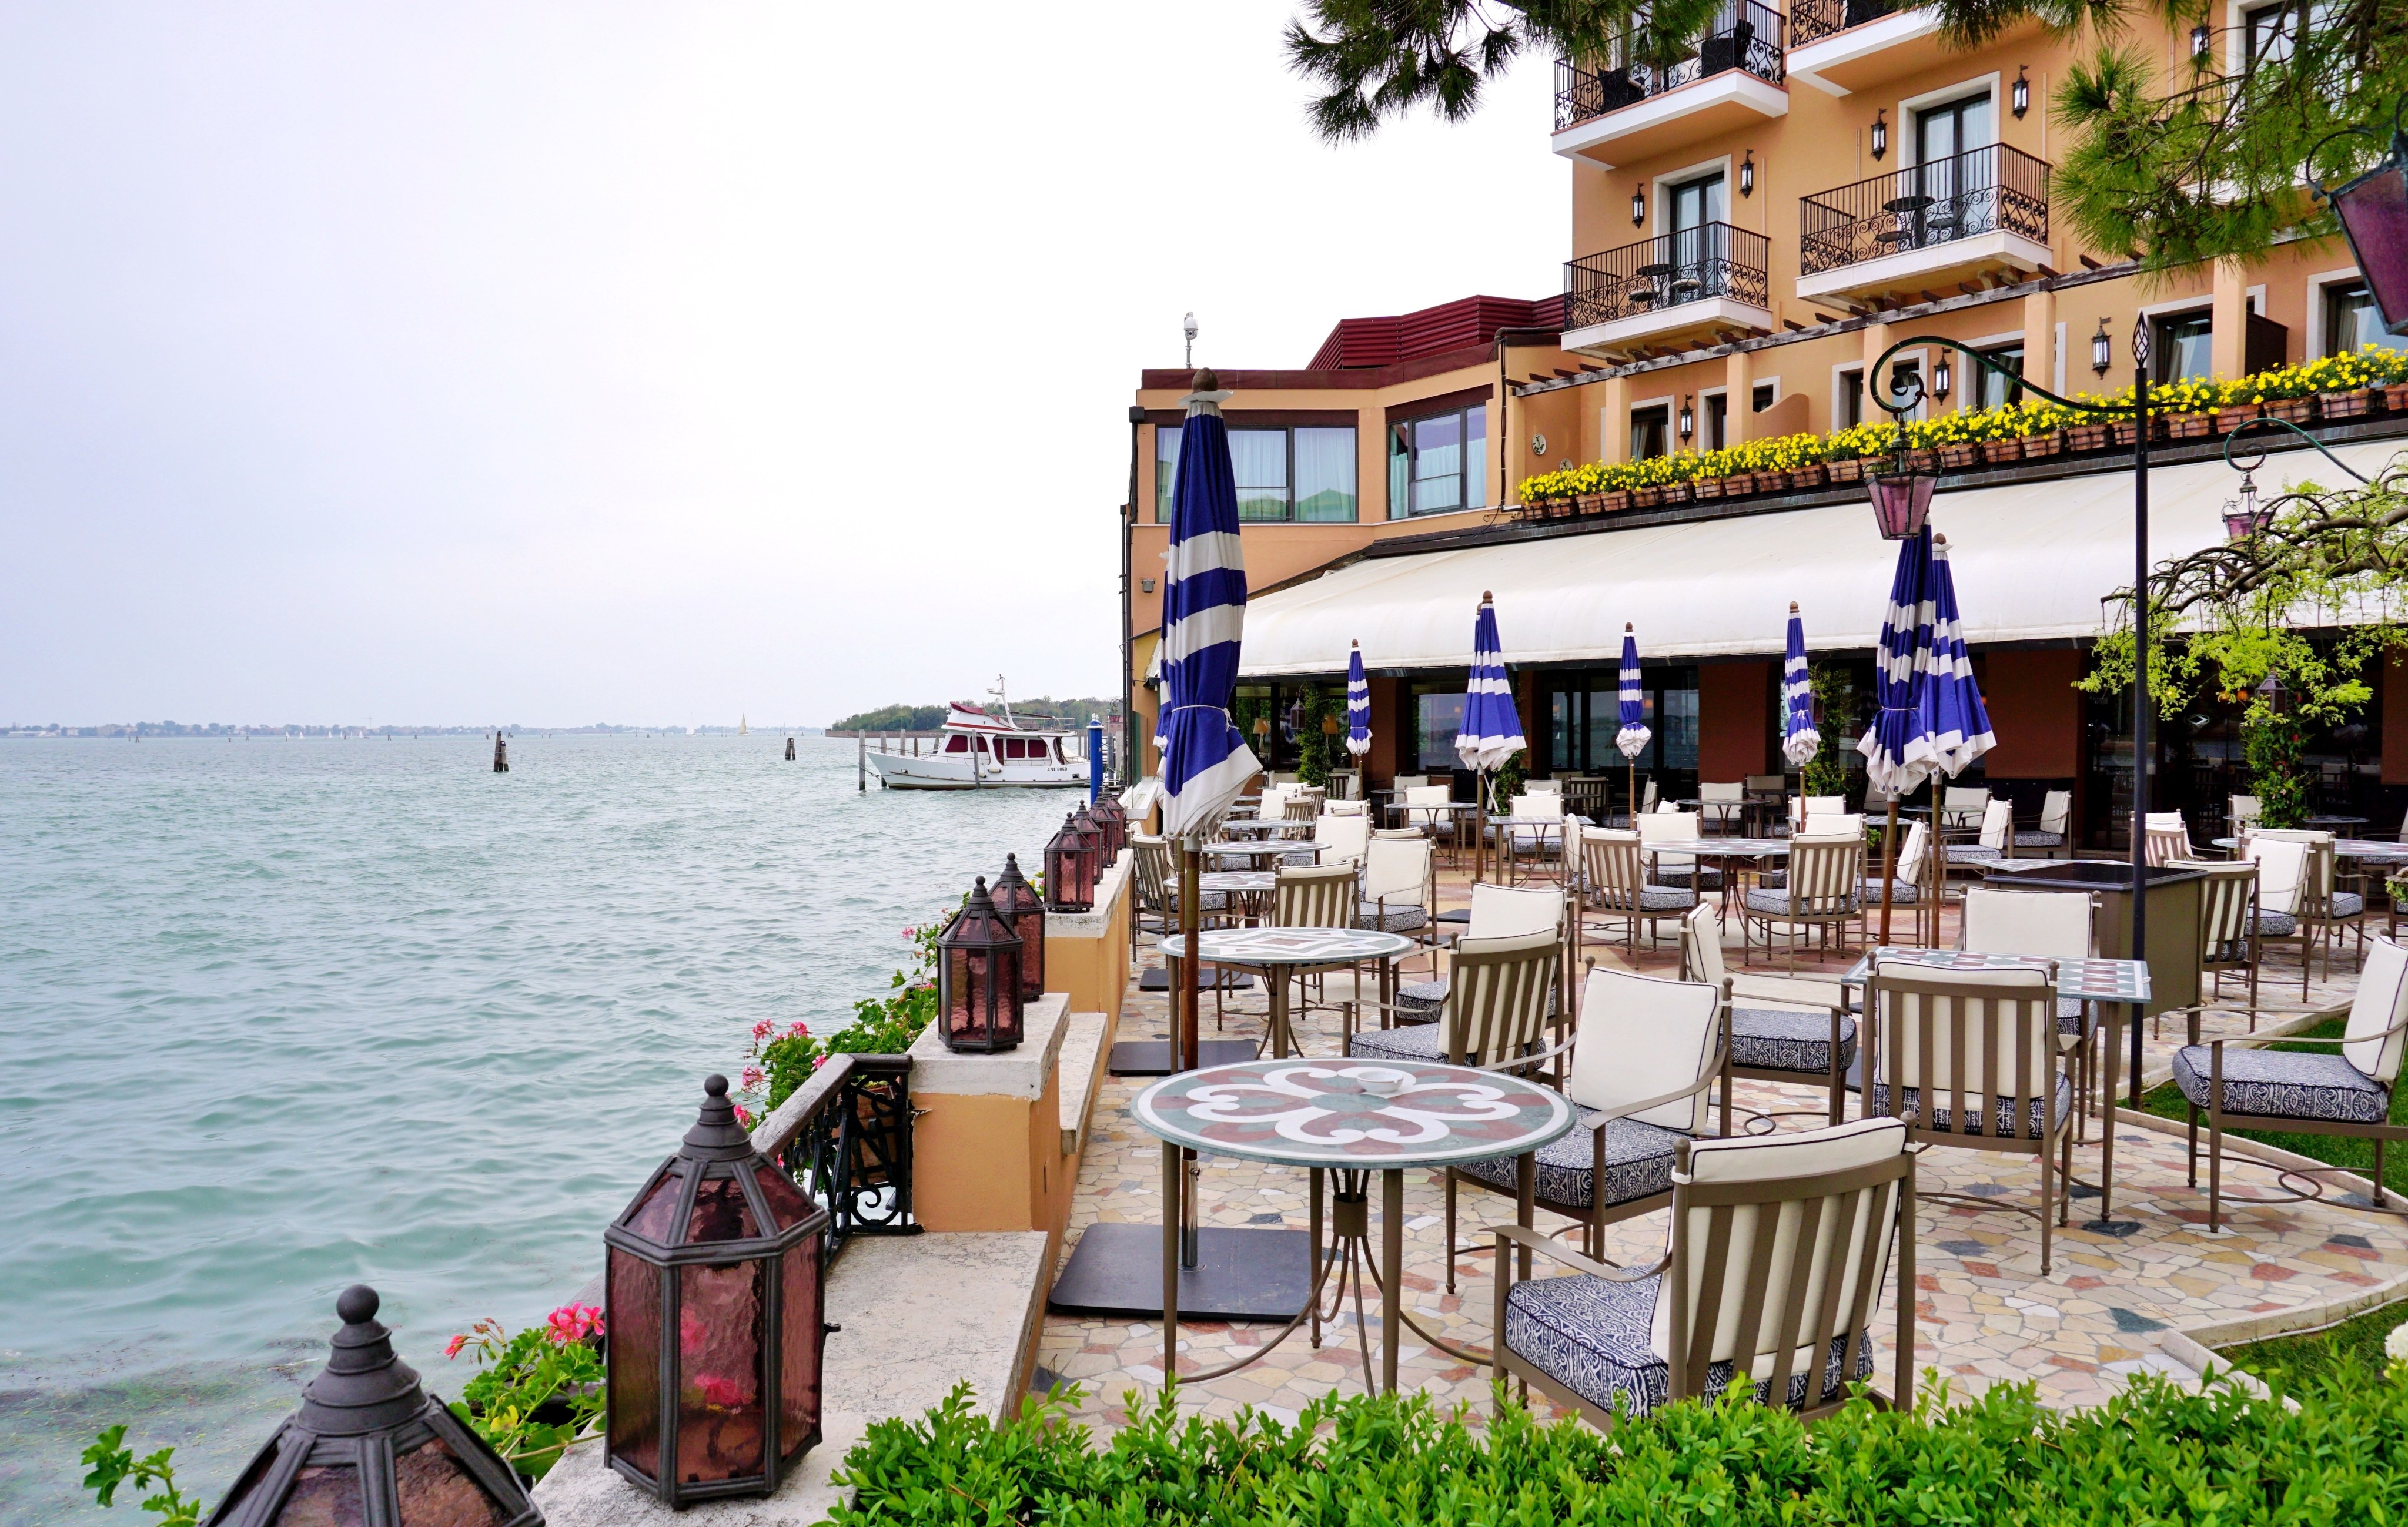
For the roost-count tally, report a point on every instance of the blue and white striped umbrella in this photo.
(1899, 752)
(1954, 716)
(1205, 760)
(1799, 741)
(1491, 732)
(1359, 704)
(1634, 736)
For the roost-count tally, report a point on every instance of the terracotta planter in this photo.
(2291, 410)
(2350, 405)
(1616, 501)
(1648, 498)
(1807, 476)
(1771, 483)
(2189, 426)
(2395, 397)
(1591, 503)
(1995, 452)
(2036, 447)
(1707, 489)
(2086, 437)
(1955, 458)
(1922, 460)
(1848, 470)
(1676, 492)
(2229, 419)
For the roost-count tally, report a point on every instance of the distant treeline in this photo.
(929, 717)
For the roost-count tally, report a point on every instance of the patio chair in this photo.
(1313, 896)
(1532, 827)
(1340, 839)
(1986, 1038)
(1962, 807)
(1399, 887)
(1543, 787)
(2281, 863)
(1644, 1055)
(1779, 1242)
(2345, 1094)
(1803, 807)
(2228, 928)
(1834, 824)
(1620, 794)
(2326, 910)
(1776, 1027)
(2169, 837)
(1343, 807)
(1157, 909)
(1723, 802)
(1823, 891)
(1496, 1014)
(1613, 884)
(1425, 808)
(1911, 867)
(1497, 912)
(1681, 871)
(2242, 815)
(2056, 829)
(2041, 924)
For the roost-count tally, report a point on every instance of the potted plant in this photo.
(2187, 409)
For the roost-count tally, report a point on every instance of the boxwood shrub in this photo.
(2155, 1454)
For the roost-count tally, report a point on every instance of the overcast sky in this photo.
(557, 364)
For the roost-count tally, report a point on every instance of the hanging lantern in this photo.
(1020, 906)
(1881, 132)
(1747, 174)
(716, 1285)
(1941, 377)
(369, 1449)
(1069, 870)
(2022, 92)
(1688, 418)
(2102, 351)
(2373, 212)
(2243, 517)
(1638, 205)
(978, 978)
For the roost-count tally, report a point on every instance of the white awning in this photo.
(2031, 561)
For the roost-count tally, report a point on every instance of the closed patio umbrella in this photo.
(1634, 736)
(1491, 730)
(1898, 748)
(1799, 741)
(1359, 704)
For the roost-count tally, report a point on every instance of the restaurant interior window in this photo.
(1304, 474)
(1438, 463)
(1258, 458)
(2352, 321)
(1651, 432)
(1325, 475)
(1993, 390)
(1438, 715)
(2268, 32)
(2183, 349)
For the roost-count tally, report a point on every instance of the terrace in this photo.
(1630, 109)
(1979, 211)
(1678, 285)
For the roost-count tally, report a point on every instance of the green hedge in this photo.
(2156, 1454)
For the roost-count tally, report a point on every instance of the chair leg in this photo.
(2378, 1173)
(2045, 1222)
(2190, 1147)
(2215, 1171)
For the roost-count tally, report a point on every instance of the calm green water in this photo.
(280, 1016)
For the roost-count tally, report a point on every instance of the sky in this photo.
(556, 364)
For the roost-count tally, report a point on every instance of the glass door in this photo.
(1953, 178)
(1696, 223)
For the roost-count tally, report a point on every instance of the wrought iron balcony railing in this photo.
(1743, 36)
(1811, 21)
(1979, 192)
(1658, 275)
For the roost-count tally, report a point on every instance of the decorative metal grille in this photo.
(1655, 274)
(1742, 35)
(1919, 206)
(1811, 21)
(853, 1148)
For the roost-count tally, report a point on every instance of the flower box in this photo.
(1958, 456)
(2395, 397)
(1922, 460)
(1616, 501)
(2350, 405)
(2038, 446)
(1807, 476)
(1676, 492)
(2086, 437)
(1649, 498)
(2189, 426)
(2229, 419)
(2120, 430)
(1995, 452)
(1592, 503)
(2291, 410)
(1707, 489)
(1844, 469)
(1771, 483)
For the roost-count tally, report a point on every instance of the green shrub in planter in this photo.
(2155, 1454)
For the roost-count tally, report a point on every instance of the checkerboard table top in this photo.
(1293, 946)
(1236, 879)
(1718, 847)
(1374, 1115)
(2087, 980)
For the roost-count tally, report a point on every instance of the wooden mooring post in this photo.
(861, 763)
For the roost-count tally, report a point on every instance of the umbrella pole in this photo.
(1889, 864)
(1634, 791)
(1479, 827)
(1190, 915)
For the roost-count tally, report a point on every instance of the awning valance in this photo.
(2032, 562)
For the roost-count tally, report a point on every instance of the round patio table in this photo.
(1725, 849)
(1278, 953)
(1354, 1118)
(1270, 849)
(2333, 824)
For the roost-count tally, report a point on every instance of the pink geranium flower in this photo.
(743, 1115)
(452, 1348)
(761, 1030)
(574, 1323)
(751, 1076)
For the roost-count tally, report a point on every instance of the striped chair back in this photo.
(1780, 1247)
(1826, 876)
(1154, 870)
(1313, 896)
(1300, 808)
(1499, 996)
(1610, 866)
(2228, 907)
(1979, 1044)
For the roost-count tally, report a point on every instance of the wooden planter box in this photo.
(1959, 457)
(2229, 419)
(2350, 405)
(2292, 410)
(1771, 483)
(2395, 397)
(2040, 446)
(1707, 489)
(1590, 504)
(1647, 498)
(2189, 426)
(2086, 437)
(1849, 470)
(1807, 476)
(1676, 492)
(1616, 501)
(2121, 430)
(1996, 452)
(1922, 460)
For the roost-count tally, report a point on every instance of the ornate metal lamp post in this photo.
(716, 1287)
(978, 978)
(369, 1449)
(1023, 911)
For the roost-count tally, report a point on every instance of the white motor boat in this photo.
(981, 750)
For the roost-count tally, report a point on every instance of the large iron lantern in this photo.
(369, 1449)
(715, 1293)
(1023, 911)
(978, 978)
(2373, 212)
(1070, 870)
(1111, 820)
(1901, 499)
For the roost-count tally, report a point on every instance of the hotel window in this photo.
(2352, 321)
(1763, 397)
(1438, 463)
(1302, 474)
(1651, 432)
(1851, 397)
(2183, 348)
(1438, 715)
(2268, 32)
(1992, 390)
(1717, 426)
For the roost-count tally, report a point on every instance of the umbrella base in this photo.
(1240, 1274)
(1155, 979)
(1152, 1057)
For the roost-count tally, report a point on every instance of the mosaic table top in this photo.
(1384, 1115)
(1293, 946)
(2090, 980)
(2344, 848)
(1243, 880)
(1719, 848)
(1268, 850)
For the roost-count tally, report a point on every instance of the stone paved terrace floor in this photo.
(1984, 1313)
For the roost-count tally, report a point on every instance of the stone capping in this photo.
(1082, 1069)
(1021, 1073)
(1110, 888)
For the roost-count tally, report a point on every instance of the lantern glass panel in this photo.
(436, 1491)
(325, 1495)
(654, 1220)
(798, 1351)
(788, 1203)
(720, 1419)
(2375, 213)
(721, 1213)
(1901, 503)
(635, 1397)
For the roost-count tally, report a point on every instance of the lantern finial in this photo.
(364, 1387)
(716, 1136)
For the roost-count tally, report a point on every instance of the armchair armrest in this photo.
(1554, 1250)
(1713, 1074)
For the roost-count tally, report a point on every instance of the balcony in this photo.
(1675, 287)
(1631, 110)
(1839, 46)
(1985, 209)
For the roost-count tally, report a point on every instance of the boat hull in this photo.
(951, 771)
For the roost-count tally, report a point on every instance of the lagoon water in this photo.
(282, 1016)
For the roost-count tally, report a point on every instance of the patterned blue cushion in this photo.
(1590, 1336)
(2031, 839)
(1638, 1163)
(1772, 1039)
(2070, 1017)
(1407, 919)
(1903, 893)
(2285, 1084)
(1691, 879)
(1653, 898)
(1419, 1002)
(1973, 853)
(2276, 924)
(2347, 904)
(1768, 903)
(2004, 1114)
(1422, 1042)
